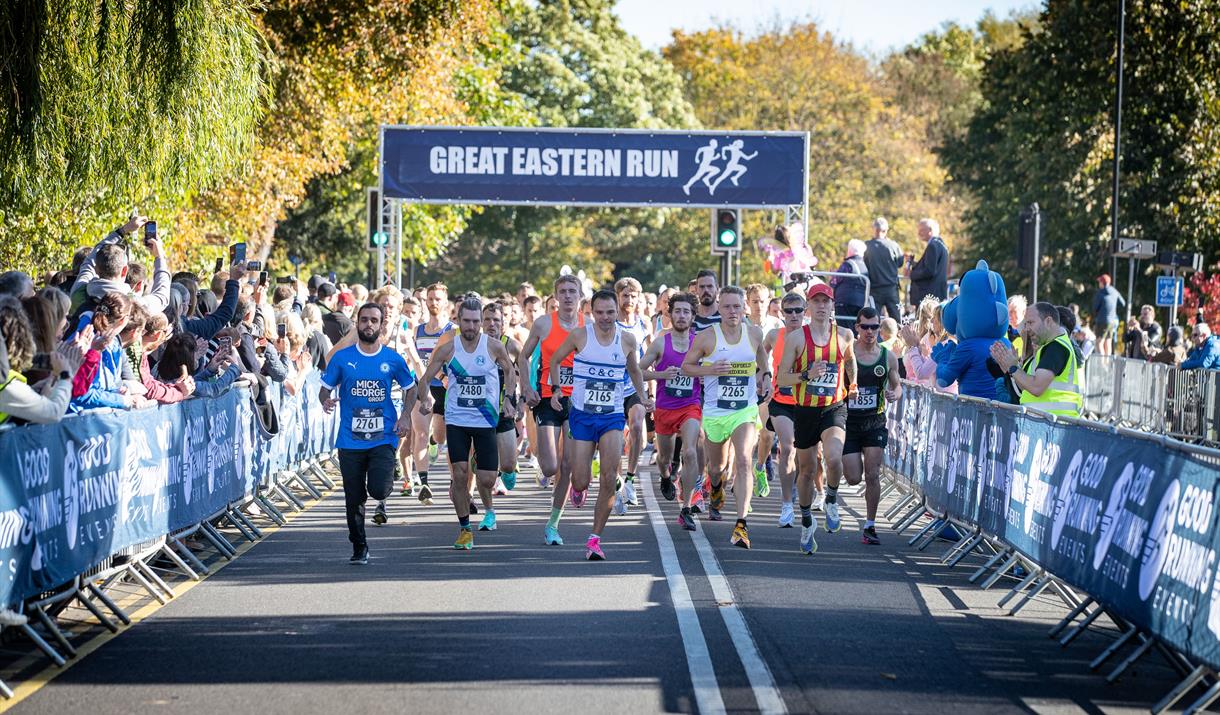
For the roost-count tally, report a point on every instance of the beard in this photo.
(367, 336)
(706, 299)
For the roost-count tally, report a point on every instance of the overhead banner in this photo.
(593, 167)
(1127, 521)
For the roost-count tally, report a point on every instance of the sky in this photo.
(874, 26)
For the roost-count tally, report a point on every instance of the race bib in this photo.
(680, 386)
(425, 345)
(471, 389)
(599, 397)
(367, 423)
(565, 376)
(734, 392)
(865, 400)
(825, 385)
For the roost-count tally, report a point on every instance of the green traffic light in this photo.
(728, 237)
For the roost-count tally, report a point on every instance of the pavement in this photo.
(671, 622)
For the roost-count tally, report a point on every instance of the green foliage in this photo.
(111, 105)
(1044, 133)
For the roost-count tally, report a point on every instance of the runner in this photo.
(628, 292)
(780, 409)
(822, 369)
(549, 332)
(369, 427)
(603, 353)
(506, 428)
(474, 400)
(730, 359)
(679, 409)
(430, 431)
(867, 436)
(707, 288)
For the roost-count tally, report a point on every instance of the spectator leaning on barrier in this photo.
(1135, 343)
(849, 292)
(883, 258)
(109, 317)
(1106, 303)
(1206, 353)
(1052, 380)
(930, 274)
(1174, 352)
(19, 400)
(156, 332)
(1152, 329)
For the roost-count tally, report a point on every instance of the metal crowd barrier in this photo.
(289, 469)
(1154, 397)
(1013, 483)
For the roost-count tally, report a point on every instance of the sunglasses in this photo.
(794, 311)
(869, 326)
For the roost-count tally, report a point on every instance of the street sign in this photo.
(1134, 248)
(1168, 291)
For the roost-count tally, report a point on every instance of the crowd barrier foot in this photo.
(958, 551)
(49, 624)
(151, 573)
(42, 645)
(6, 691)
(1146, 645)
(316, 469)
(270, 510)
(1196, 677)
(196, 564)
(97, 612)
(1033, 576)
(218, 541)
(897, 507)
(239, 525)
(1039, 586)
(298, 476)
(1013, 559)
(1071, 634)
(100, 595)
(1113, 648)
(182, 566)
(1204, 702)
(333, 457)
(995, 559)
(913, 515)
(241, 516)
(289, 498)
(146, 584)
(922, 532)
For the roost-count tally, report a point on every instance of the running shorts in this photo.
(811, 422)
(588, 427)
(718, 429)
(670, 421)
(865, 431)
(483, 439)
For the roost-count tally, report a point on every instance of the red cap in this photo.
(1104, 278)
(346, 298)
(819, 289)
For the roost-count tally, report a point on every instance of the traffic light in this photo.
(377, 238)
(726, 230)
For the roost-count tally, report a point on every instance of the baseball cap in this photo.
(346, 298)
(819, 289)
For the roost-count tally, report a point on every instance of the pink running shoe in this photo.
(593, 549)
(578, 498)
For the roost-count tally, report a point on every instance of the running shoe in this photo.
(550, 536)
(869, 536)
(740, 537)
(667, 489)
(762, 488)
(833, 523)
(713, 514)
(716, 502)
(425, 495)
(620, 504)
(360, 556)
(593, 549)
(786, 515)
(509, 480)
(543, 482)
(629, 494)
(819, 501)
(686, 521)
(379, 516)
(770, 467)
(489, 522)
(465, 539)
(499, 489)
(577, 497)
(808, 543)
(474, 508)
(433, 450)
(407, 488)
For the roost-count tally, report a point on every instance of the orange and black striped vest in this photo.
(829, 388)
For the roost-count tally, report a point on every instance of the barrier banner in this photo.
(1125, 520)
(81, 490)
(593, 167)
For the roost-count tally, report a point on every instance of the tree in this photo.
(110, 105)
(1044, 133)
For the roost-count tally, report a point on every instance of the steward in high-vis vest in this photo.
(1053, 379)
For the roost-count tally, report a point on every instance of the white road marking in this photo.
(698, 660)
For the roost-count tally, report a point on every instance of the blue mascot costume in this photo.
(978, 316)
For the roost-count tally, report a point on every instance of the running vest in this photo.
(640, 331)
(870, 386)
(553, 340)
(425, 343)
(473, 397)
(683, 390)
(12, 375)
(724, 395)
(782, 395)
(510, 386)
(597, 373)
(1064, 396)
(828, 389)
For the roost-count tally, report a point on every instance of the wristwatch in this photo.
(805, 375)
(1012, 370)
(65, 375)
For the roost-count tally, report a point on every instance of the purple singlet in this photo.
(682, 391)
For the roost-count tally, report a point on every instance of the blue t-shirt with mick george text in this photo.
(362, 385)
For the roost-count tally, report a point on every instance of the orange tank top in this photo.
(550, 344)
(829, 388)
(782, 395)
